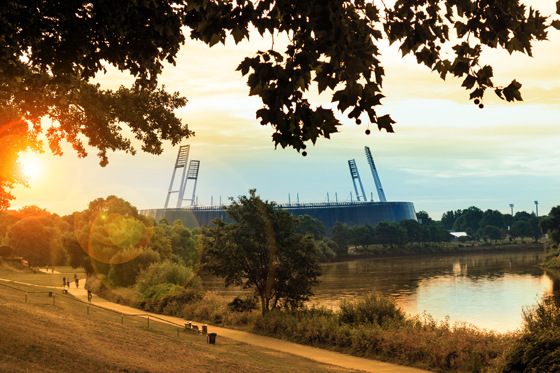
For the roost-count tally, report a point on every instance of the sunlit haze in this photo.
(446, 153)
(31, 165)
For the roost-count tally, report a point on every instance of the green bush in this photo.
(165, 272)
(372, 309)
(160, 291)
(166, 286)
(538, 347)
(124, 272)
(169, 298)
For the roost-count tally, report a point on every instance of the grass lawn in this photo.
(52, 336)
(33, 276)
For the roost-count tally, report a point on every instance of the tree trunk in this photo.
(264, 305)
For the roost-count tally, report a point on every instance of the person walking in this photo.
(64, 281)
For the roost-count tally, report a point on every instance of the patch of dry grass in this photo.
(40, 336)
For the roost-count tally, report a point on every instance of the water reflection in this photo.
(486, 290)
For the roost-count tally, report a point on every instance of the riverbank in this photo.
(552, 262)
(95, 340)
(372, 327)
(377, 251)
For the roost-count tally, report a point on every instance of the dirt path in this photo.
(313, 353)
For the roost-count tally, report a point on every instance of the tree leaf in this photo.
(385, 122)
(469, 82)
(238, 34)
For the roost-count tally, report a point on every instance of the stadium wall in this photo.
(350, 213)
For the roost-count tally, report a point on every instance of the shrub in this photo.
(372, 309)
(538, 347)
(101, 287)
(238, 304)
(165, 272)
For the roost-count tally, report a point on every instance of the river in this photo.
(487, 290)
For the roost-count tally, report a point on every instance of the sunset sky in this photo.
(446, 153)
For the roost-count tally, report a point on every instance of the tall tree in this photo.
(38, 239)
(522, 215)
(184, 243)
(314, 226)
(448, 218)
(415, 232)
(469, 220)
(390, 234)
(550, 226)
(535, 228)
(362, 235)
(51, 51)
(261, 250)
(493, 233)
(492, 217)
(520, 228)
(340, 233)
(111, 231)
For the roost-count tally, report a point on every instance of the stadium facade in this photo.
(350, 213)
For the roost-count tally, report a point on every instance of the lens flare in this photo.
(114, 234)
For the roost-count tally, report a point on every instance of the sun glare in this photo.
(31, 165)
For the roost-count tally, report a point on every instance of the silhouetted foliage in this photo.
(53, 51)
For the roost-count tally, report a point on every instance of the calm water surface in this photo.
(486, 290)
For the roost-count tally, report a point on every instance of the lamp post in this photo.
(537, 207)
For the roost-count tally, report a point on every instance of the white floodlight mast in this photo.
(376, 179)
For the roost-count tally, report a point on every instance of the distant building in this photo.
(456, 235)
(329, 213)
(350, 213)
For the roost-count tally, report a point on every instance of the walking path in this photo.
(313, 353)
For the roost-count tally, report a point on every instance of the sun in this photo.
(31, 165)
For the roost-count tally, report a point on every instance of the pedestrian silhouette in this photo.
(64, 281)
(89, 295)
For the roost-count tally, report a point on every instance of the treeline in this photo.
(388, 235)
(45, 239)
(492, 224)
(111, 240)
(415, 236)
